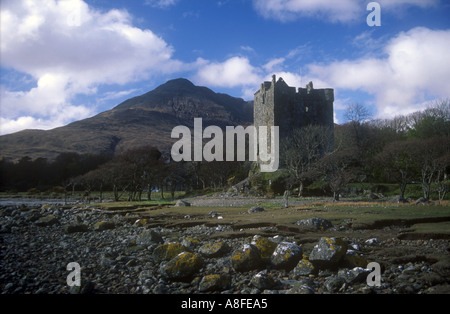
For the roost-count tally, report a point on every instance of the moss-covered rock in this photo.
(263, 280)
(315, 222)
(190, 242)
(265, 246)
(304, 267)
(355, 260)
(215, 282)
(48, 220)
(167, 251)
(286, 255)
(182, 267)
(217, 249)
(249, 258)
(328, 253)
(104, 225)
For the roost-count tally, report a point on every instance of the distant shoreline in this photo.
(11, 201)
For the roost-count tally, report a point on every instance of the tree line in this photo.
(41, 174)
(412, 148)
(132, 174)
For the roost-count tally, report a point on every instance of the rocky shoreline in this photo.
(121, 254)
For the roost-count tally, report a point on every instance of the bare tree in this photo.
(397, 158)
(442, 179)
(358, 116)
(428, 154)
(306, 146)
(357, 112)
(337, 170)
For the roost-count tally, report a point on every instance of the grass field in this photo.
(413, 219)
(356, 213)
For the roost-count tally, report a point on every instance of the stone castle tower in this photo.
(276, 103)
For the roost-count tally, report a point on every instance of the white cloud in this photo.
(71, 49)
(161, 3)
(248, 49)
(274, 64)
(414, 69)
(342, 11)
(235, 71)
(397, 3)
(335, 119)
(70, 113)
(286, 10)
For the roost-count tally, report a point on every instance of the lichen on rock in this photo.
(286, 255)
(217, 249)
(265, 246)
(167, 251)
(304, 268)
(328, 253)
(214, 282)
(181, 267)
(248, 258)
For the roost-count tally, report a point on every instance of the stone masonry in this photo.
(277, 104)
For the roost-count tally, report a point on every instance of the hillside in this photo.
(143, 120)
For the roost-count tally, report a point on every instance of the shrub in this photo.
(33, 191)
(57, 189)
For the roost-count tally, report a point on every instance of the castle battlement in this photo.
(277, 104)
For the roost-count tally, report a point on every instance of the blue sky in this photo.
(65, 60)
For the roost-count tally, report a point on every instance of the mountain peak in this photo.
(181, 98)
(179, 82)
(163, 94)
(147, 119)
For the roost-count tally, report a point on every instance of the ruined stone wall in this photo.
(276, 103)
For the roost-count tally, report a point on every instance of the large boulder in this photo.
(215, 282)
(249, 258)
(353, 259)
(217, 249)
(304, 268)
(48, 220)
(255, 209)
(334, 283)
(398, 200)
(315, 222)
(190, 243)
(104, 225)
(262, 280)
(265, 246)
(286, 255)
(181, 267)
(167, 251)
(354, 275)
(328, 253)
(182, 203)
